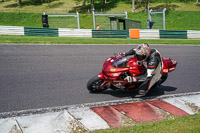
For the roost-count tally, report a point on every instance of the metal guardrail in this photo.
(63, 32)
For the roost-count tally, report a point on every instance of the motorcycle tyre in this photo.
(163, 78)
(94, 83)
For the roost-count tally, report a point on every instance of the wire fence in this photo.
(64, 21)
(102, 19)
(158, 21)
(158, 17)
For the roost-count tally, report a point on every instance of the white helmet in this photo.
(142, 51)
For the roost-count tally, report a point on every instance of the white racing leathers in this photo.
(154, 75)
(154, 67)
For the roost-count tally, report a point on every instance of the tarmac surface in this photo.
(42, 76)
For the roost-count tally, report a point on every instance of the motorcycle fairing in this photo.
(169, 65)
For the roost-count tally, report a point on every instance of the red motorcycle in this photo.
(116, 69)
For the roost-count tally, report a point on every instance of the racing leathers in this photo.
(153, 63)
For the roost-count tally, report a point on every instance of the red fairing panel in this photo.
(169, 65)
(100, 75)
(135, 69)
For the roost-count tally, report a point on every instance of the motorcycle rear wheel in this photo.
(163, 78)
(94, 84)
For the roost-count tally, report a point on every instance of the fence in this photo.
(103, 20)
(173, 34)
(191, 34)
(158, 17)
(62, 32)
(40, 31)
(11, 30)
(62, 20)
(110, 34)
(149, 34)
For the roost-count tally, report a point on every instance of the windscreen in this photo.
(120, 62)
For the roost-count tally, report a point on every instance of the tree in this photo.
(133, 5)
(84, 3)
(92, 5)
(19, 2)
(146, 5)
(197, 4)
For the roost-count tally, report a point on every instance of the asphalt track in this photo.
(40, 76)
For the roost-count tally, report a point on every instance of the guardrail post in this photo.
(78, 20)
(126, 14)
(93, 14)
(164, 18)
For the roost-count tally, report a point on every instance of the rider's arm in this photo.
(152, 64)
(130, 52)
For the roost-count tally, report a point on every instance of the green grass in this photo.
(187, 124)
(56, 6)
(180, 15)
(182, 20)
(72, 40)
(21, 19)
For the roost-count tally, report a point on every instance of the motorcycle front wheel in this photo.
(94, 84)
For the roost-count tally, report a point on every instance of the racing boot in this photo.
(143, 88)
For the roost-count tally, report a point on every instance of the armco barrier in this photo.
(74, 32)
(192, 34)
(40, 31)
(149, 34)
(173, 34)
(11, 30)
(134, 33)
(110, 34)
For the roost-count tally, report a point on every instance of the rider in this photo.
(152, 59)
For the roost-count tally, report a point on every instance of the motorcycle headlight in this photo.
(112, 69)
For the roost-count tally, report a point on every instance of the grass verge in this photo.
(186, 124)
(175, 20)
(78, 40)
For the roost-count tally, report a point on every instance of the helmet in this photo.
(142, 51)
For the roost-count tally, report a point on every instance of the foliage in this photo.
(29, 2)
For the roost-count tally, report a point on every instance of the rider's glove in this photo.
(119, 54)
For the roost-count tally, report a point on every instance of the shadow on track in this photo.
(154, 92)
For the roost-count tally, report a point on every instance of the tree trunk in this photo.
(133, 5)
(84, 3)
(19, 2)
(92, 5)
(146, 5)
(197, 4)
(105, 1)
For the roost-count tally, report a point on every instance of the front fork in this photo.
(106, 83)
